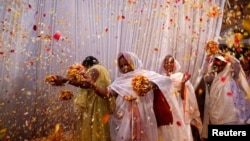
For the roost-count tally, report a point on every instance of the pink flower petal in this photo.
(223, 79)
(178, 123)
(229, 93)
(57, 35)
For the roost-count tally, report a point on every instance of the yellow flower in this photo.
(214, 11)
(66, 95)
(248, 96)
(50, 79)
(75, 72)
(141, 85)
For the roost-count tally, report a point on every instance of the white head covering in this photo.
(177, 66)
(132, 59)
(220, 58)
(121, 118)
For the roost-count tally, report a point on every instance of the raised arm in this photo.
(62, 80)
(185, 78)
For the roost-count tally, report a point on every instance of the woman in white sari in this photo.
(184, 92)
(227, 98)
(223, 74)
(134, 117)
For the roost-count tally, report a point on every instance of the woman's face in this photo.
(169, 65)
(124, 65)
(219, 65)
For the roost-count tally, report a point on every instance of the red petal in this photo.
(223, 79)
(34, 27)
(230, 94)
(178, 123)
(57, 35)
(30, 7)
(228, 59)
(48, 49)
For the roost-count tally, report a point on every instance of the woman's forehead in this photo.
(122, 59)
(169, 59)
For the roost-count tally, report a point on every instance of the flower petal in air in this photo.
(105, 118)
(223, 79)
(229, 93)
(178, 123)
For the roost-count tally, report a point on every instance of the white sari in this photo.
(189, 106)
(135, 120)
(226, 101)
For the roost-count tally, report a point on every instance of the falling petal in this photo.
(228, 59)
(229, 93)
(200, 91)
(178, 123)
(248, 96)
(57, 35)
(105, 118)
(57, 128)
(223, 79)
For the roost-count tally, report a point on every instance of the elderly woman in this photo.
(145, 103)
(184, 92)
(215, 63)
(226, 102)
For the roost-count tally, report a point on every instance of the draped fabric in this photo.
(188, 105)
(91, 126)
(229, 88)
(144, 118)
(41, 37)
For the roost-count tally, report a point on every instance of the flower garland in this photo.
(141, 85)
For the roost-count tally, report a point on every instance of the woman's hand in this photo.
(59, 81)
(186, 77)
(88, 82)
(208, 78)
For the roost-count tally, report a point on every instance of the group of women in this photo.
(144, 105)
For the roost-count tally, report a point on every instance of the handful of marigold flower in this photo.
(66, 95)
(141, 85)
(50, 79)
(214, 11)
(75, 72)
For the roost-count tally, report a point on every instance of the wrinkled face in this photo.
(219, 65)
(169, 65)
(124, 65)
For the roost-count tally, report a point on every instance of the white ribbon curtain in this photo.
(101, 28)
